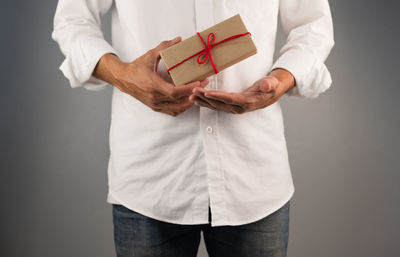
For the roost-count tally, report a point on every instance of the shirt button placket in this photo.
(208, 124)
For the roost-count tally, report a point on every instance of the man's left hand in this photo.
(261, 94)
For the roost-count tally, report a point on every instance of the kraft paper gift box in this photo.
(219, 47)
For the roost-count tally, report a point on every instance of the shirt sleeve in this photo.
(77, 30)
(309, 39)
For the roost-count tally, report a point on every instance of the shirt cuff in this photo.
(83, 57)
(311, 75)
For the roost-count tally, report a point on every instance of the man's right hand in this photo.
(139, 79)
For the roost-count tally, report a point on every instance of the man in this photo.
(207, 156)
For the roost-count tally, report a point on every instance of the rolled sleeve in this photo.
(79, 65)
(78, 33)
(308, 27)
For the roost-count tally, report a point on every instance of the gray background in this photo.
(343, 146)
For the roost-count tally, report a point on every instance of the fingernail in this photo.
(208, 96)
(175, 39)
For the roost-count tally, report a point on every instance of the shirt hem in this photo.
(201, 222)
(145, 213)
(257, 218)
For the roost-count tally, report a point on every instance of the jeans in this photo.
(136, 235)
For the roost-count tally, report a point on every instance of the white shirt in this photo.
(172, 168)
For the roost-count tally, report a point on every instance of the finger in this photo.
(154, 97)
(192, 97)
(169, 112)
(198, 90)
(175, 92)
(227, 98)
(200, 102)
(201, 87)
(177, 107)
(182, 100)
(200, 95)
(151, 105)
(268, 84)
(155, 52)
(164, 111)
(204, 83)
(220, 105)
(165, 44)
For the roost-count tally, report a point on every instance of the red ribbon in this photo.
(205, 53)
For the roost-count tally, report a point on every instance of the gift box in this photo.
(209, 52)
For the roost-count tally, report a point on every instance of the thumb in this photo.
(155, 52)
(167, 43)
(268, 84)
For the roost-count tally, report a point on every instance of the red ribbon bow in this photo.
(205, 53)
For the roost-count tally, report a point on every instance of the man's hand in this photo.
(261, 94)
(139, 79)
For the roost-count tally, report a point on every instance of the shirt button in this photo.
(209, 129)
